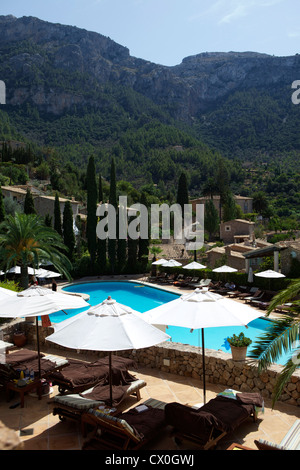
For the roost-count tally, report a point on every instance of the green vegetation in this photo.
(239, 341)
(282, 335)
(26, 241)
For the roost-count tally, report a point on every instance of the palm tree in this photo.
(282, 336)
(26, 240)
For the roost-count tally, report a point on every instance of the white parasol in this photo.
(38, 301)
(202, 309)
(194, 265)
(224, 269)
(108, 326)
(172, 263)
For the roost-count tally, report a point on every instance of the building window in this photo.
(227, 228)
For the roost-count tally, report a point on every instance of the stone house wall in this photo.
(228, 230)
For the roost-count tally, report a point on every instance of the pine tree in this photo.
(91, 223)
(113, 201)
(57, 215)
(68, 232)
(28, 203)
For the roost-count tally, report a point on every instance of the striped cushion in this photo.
(74, 400)
(155, 403)
(262, 444)
(120, 423)
(291, 440)
(58, 361)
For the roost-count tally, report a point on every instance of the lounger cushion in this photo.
(139, 424)
(80, 375)
(119, 392)
(81, 402)
(76, 401)
(292, 439)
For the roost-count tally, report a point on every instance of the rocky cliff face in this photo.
(187, 89)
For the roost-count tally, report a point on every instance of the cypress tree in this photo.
(28, 203)
(91, 222)
(113, 201)
(211, 218)
(132, 253)
(101, 244)
(48, 220)
(57, 215)
(182, 192)
(2, 208)
(143, 252)
(229, 208)
(68, 232)
(222, 183)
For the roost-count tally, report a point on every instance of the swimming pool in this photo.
(143, 298)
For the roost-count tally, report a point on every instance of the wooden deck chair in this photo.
(73, 405)
(211, 422)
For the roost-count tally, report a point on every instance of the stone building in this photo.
(290, 256)
(43, 204)
(234, 254)
(237, 230)
(246, 203)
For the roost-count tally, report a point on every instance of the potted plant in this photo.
(239, 344)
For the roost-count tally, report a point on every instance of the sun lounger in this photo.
(250, 293)
(183, 282)
(256, 296)
(210, 423)
(284, 308)
(237, 292)
(73, 405)
(23, 359)
(202, 283)
(291, 440)
(79, 375)
(126, 431)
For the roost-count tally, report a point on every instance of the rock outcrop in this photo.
(46, 51)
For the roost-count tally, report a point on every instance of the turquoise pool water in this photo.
(143, 298)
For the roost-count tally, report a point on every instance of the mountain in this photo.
(76, 91)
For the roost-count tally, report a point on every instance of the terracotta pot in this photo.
(238, 354)
(19, 339)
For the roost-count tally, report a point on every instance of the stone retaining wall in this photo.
(185, 360)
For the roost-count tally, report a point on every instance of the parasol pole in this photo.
(38, 343)
(110, 378)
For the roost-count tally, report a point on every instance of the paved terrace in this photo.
(40, 430)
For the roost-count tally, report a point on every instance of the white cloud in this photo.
(227, 11)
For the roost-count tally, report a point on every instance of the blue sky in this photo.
(166, 31)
